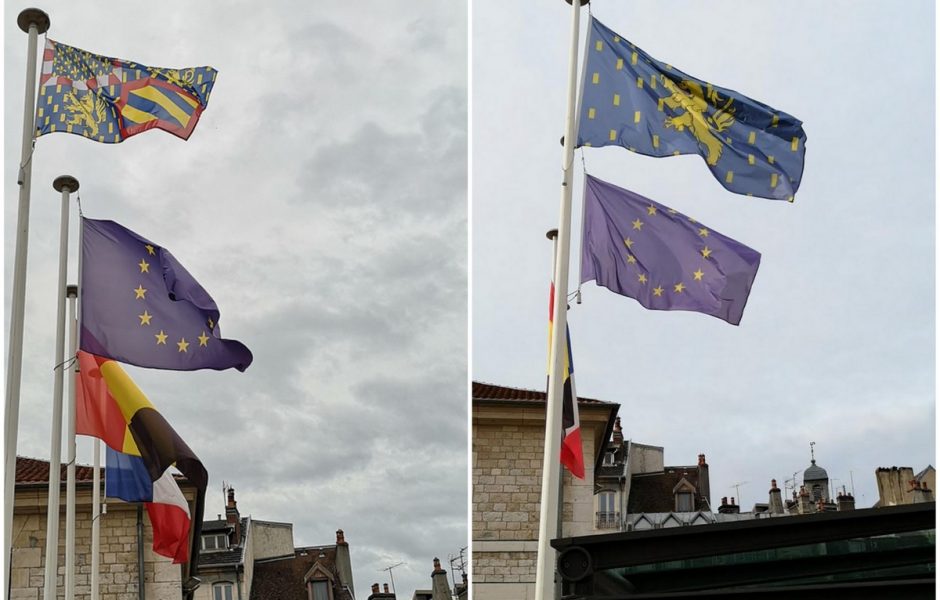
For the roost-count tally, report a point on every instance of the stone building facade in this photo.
(244, 558)
(119, 574)
(508, 441)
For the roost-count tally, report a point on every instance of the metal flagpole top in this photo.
(65, 181)
(33, 16)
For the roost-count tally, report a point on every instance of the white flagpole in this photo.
(96, 522)
(70, 440)
(548, 513)
(64, 184)
(33, 22)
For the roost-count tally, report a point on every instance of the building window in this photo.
(222, 591)
(607, 515)
(610, 459)
(684, 502)
(320, 589)
(215, 542)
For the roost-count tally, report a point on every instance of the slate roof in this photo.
(489, 391)
(813, 472)
(234, 555)
(652, 492)
(35, 471)
(282, 577)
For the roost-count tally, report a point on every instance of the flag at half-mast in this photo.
(630, 99)
(140, 306)
(109, 99)
(572, 453)
(141, 447)
(642, 249)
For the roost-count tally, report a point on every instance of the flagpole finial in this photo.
(33, 16)
(551, 234)
(65, 182)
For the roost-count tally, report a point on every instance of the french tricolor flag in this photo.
(127, 478)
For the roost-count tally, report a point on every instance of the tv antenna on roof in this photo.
(458, 562)
(389, 569)
(737, 490)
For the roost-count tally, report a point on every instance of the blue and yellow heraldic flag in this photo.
(109, 100)
(630, 99)
(661, 258)
(140, 306)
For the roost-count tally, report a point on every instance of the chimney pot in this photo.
(732, 500)
(340, 538)
(724, 500)
(375, 588)
(773, 484)
(437, 564)
(385, 585)
(617, 424)
(701, 460)
(231, 496)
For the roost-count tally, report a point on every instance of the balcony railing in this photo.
(607, 520)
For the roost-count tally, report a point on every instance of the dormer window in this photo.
(684, 494)
(216, 541)
(610, 458)
(319, 589)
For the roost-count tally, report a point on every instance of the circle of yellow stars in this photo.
(140, 293)
(642, 277)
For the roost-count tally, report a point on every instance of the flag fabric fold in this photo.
(128, 478)
(109, 100)
(630, 99)
(110, 407)
(140, 306)
(572, 453)
(140, 448)
(664, 260)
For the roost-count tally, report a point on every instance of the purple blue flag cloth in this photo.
(632, 100)
(140, 306)
(661, 258)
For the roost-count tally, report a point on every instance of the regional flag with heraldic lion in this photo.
(109, 100)
(630, 99)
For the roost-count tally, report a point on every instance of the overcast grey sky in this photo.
(322, 202)
(836, 344)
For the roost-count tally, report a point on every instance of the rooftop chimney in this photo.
(232, 518)
(920, 492)
(804, 504)
(728, 509)
(845, 501)
(385, 586)
(343, 562)
(775, 503)
(375, 588)
(439, 589)
(703, 485)
(618, 432)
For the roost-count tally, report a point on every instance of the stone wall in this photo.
(118, 579)
(508, 445)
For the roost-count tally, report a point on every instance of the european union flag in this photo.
(664, 260)
(109, 99)
(630, 99)
(139, 305)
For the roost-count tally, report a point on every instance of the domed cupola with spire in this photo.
(815, 478)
